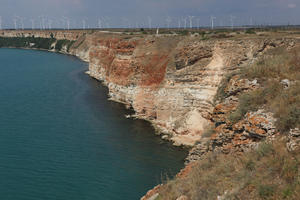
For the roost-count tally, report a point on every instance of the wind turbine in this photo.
(22, 22)
(67, 22)
(191, 21)
(0, 23)
(50, 24)
(32, 24)
(179, 23)
(43, 23)
(212, 18)
(251, 21)
(99, 23)
(185, 22)
(15, 22)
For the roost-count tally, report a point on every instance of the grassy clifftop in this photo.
(271, 168)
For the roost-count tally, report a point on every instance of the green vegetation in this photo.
(33, 42)
(61, 43)
(269, 172)
(42, 43)
(250, 31)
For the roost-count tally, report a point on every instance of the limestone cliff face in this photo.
(170, 81)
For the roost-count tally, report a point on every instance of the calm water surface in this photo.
(60, 138)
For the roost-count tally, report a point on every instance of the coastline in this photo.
(172, 82)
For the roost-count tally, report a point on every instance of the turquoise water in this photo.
(60, 138)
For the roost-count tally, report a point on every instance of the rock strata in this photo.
(171, 81)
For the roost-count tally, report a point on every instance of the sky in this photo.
(145, 13)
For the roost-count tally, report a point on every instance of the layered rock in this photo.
(170, 81)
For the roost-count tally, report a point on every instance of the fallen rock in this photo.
(286, 83)
(256, 125)
(293, 143)
(237, 85)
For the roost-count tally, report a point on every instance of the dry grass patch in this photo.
(270, 172)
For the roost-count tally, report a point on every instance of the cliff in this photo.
(218, 94)
(252, 148)
(168, 80)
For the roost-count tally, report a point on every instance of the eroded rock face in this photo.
(170, 81)
(237, 85)
(240, 136)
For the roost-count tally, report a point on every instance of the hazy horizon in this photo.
(142, 13)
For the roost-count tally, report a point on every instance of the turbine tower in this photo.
(251, 21)
(179, 23)
(50, 24)
(99, 23)
(32, 24)
(0, 23)
(212, 18)
(66, 22)
(42, 22)
(191, 21)
(185, 22)
(22, 22)
(15, 22)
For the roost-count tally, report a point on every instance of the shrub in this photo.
(248, 102)
(266, 191)
(250, 31)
